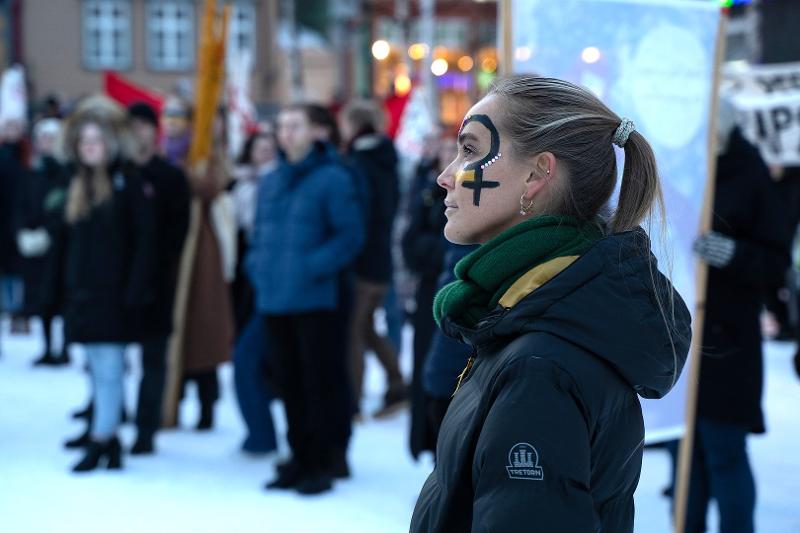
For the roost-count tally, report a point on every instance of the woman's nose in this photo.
(446, 180)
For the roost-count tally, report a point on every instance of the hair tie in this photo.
(623, 132)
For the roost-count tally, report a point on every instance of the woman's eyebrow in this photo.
(463, 137)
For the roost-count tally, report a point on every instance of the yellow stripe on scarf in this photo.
(535, 278)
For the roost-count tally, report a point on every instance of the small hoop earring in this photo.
(525, 209)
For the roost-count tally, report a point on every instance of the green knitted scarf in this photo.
(487, 273)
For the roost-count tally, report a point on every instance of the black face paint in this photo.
(472, 175)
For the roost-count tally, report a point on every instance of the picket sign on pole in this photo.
(684, 466)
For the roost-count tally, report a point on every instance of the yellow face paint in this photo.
(465, 175)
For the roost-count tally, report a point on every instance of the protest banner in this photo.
(767, 98)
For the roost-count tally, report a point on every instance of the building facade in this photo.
(66, 45)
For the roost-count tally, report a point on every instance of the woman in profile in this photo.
(567, 315)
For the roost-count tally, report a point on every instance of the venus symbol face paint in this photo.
(471, 176)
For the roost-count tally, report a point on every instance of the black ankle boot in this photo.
(314, 484)
(62, 359)
(109, 453)
(143, 444)
(206, 421)
(86, 412)
(289, 475)
(80, 441)
(46, 360)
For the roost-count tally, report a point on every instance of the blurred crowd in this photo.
(280, 259)
(276, 259)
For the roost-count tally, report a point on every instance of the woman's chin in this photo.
(455, 235)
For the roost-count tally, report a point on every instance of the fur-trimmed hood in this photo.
(112, 119)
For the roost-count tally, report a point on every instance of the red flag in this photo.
(126, 92)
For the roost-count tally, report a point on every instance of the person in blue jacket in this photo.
(308, 227)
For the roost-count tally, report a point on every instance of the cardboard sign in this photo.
(767, 98)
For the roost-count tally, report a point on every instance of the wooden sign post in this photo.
(684, 467)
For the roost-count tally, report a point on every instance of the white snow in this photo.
(203, 483)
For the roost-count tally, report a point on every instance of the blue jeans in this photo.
(107, 369)
(252, 390)
(394, 319)
(721, 470)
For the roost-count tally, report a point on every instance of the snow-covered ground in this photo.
(203, 483)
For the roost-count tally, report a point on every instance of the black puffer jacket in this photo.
(545, 434)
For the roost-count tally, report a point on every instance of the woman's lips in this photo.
(449, 207)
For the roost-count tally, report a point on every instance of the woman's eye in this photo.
(468, 150)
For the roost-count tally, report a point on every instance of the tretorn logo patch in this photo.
(523, 463)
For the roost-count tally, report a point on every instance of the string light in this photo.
(381, 49)
(439, 67)
(590, 54)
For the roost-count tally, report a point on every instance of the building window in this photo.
(242, 29)
(107, 34)
(170, 35)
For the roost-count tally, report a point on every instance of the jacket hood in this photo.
(613, 303)
(378, 148)
(111, 118)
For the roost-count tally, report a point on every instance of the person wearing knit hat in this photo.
(170, 189)
(144, 112)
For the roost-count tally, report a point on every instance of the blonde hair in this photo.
(551, 115)
(89, 187)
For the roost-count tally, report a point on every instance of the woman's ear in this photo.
(543, 169)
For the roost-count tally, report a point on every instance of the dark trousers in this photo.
(721, 471)
(309, 369)
(252, 390)
(151, 387)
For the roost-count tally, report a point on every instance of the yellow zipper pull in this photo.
(464, 374)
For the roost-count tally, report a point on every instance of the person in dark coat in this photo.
(104, 256)
(39, 210)
(170, 196)
(747, 250)
(308, 228)
(446, 357)
(13, 175)
(259, 157)
(567, 316)
(423, 248)
(374, 155)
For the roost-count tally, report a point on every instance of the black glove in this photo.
(715, 249)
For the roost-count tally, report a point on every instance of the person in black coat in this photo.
(170, 194)
(423, 248)
(747, 250)
(567, 316)
(104, 257)
(374, 155)
(13, 176)
(39, 209)
(446, 357)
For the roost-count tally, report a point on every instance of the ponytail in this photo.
(640, 187)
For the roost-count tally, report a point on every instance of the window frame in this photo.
(189, 63)
(88, 24)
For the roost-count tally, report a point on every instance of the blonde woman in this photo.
(566, 312)
(104, 262)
